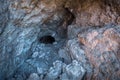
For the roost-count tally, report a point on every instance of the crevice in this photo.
(70, 18)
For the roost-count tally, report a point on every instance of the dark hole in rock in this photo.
(47, 39)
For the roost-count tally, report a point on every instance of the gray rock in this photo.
(75, 50)
(75, 71)
(55, 71)
(94, 49)
(64, 76)
(73, 31)
(64, 55)
(34, 76)
(61, 71)
(35, 54)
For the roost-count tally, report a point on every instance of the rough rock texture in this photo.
(95, 12)
(85, 35)
(102, 48)
(61, 12)
(33, 76)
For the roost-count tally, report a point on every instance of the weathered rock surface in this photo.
(102, 48)
(61, 71)
(85, 37)
(34, 76)
(94, 12)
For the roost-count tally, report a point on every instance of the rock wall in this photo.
(85, 37)
(95, 12)
(84, 13)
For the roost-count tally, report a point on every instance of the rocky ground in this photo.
(59, 40)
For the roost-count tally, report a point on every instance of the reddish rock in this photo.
(102, 48)
(87, 12)
(95, 12)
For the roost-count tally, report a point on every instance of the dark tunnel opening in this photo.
(47, 39)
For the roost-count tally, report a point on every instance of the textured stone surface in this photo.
(55, 71)
(33, 76)
(75, 71)
(86, 37)
(94, 12)
(102, 48)
(61, 71)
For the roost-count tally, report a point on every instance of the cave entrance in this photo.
(47, 39)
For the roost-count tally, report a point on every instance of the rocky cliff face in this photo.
(59, 40)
